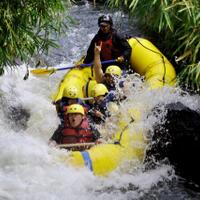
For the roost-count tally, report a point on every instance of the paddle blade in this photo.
(42, 71)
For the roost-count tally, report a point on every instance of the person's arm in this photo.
(123, 44)
(97, 64)
(95, 132)
(56, 135)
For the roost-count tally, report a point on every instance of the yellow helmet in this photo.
(113, 70)
(71, 92)
(88, 88)
(100, 90)
(75, 108)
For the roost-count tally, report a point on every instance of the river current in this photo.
(30, 169)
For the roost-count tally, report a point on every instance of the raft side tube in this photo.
(148, 61)
(75, 77)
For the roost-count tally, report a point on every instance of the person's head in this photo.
(99, 92)
(105, 23)
(111, 73)
(75, 114)
(72, 94)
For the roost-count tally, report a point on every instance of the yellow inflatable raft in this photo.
(127, 144)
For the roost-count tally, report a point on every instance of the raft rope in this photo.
(122, 132)
(162, 57)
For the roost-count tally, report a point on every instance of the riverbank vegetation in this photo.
(27, 27)
(177, 23)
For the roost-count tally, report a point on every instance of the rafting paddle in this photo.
(76, 145)
(45, 71)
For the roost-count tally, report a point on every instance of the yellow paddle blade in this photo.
(43, 71)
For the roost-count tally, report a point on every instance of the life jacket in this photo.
(108, 51)
(81, 134)
(102, 107)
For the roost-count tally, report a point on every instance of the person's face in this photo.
(75, 119)
(99, 99)
(105, 27)
(109, 79)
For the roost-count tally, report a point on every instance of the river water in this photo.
(29, 168)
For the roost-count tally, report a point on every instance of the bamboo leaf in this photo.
(26, 27)
(133, 4)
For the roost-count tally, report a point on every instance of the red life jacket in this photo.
(108, 51)
(81, 134)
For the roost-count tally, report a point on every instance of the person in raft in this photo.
(113, 45)
(76, 128)
(111, 77)
(98, 111)
(70, 96)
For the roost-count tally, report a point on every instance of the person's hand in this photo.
(78, 63)
(99, 141)
(120, 59)
(97, 49)
(98, 114)
(78, 66)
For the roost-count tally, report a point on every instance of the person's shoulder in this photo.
(111, 96)
(117, 33)
(118, 36)
(97, 35)
(95, 38)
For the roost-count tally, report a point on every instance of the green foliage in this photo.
(190, 76)
(26, 27)
(178, 22)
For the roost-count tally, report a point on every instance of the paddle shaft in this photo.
(86, 65)
(43, 71)
(76, 145)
